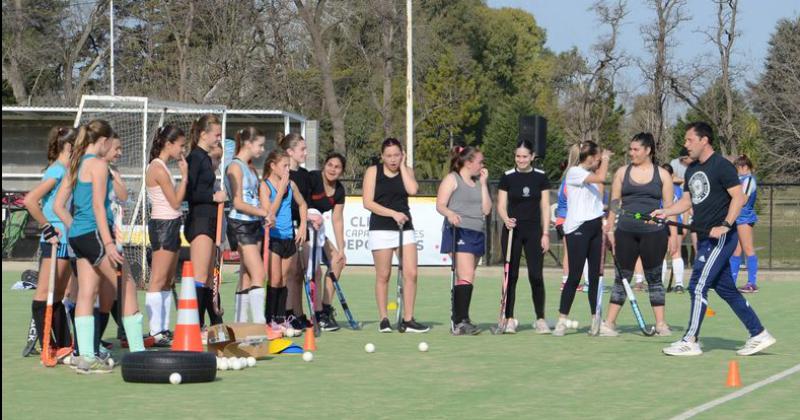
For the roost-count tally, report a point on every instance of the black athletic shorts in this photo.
(165, 234)
(62, 253)
(89, 246)
(284, 248)
(244, 233)
(200, 225)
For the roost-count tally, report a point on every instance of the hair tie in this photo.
(459, 149)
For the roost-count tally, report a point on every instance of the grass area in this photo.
(460, 377)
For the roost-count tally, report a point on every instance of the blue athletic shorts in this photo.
(468, 241)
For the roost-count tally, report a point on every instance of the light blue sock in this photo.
(84, 325)
(752, 269)
(133, 331)
(736, 261)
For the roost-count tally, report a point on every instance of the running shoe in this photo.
(683, 348)
(748, 288)
(756, 344)
(90, 366)
(412, 326)
(385, 326)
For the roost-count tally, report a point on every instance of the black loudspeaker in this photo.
(533, 128)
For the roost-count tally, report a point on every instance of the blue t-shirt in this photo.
(561, 208)
(748, 213)
(55, 171)
(282, 227)
(676, 195)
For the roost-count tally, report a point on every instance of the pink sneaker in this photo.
(748, 288)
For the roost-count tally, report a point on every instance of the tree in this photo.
(776, 99)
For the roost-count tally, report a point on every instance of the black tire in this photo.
(155, 366)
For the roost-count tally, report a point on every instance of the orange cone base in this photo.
(187, 338)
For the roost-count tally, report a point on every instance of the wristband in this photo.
(726, 224)
(49, 232)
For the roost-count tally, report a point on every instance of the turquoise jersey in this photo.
(56, 171)
(83, 217)
(282, 227)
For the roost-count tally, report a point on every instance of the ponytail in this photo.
(460, 155)
(88, 134)
(647, 140)
(57, 139)
(164, 134)
(288, 141)
(744, 160)
(201, 125)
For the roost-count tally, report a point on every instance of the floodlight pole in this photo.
(409, 88)
(111, 32)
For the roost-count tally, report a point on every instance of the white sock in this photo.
(639, 277)
(166, 309)
(677, 270)
(153, 304)
(564, 279)
(257, 296)
(242, 307)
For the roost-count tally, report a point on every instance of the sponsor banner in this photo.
(427, 225)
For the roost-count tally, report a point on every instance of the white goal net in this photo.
(136, 120)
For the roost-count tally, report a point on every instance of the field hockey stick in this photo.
(597, 319)
(453, 282)
(340, 294)
(400, 275)
(637, 313)
(502, 320)
(314, 250)
(48, 355)
(217, 281)
(33, 337)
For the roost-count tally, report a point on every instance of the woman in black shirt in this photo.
(201, 221)
(387, 186)
(327, 194)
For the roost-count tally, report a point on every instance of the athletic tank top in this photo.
(83, 218)
(466, 201)
(282, 227)
(160, 209)
(390, 193)
(249, 192)
(56, 171)
(748, 213)
(640, 198)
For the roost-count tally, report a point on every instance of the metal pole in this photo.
(771, 211)
(409, 88)
(111, 32)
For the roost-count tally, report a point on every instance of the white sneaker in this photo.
(663, 330)
(756, 344)
(683, 348)
(541, 327)
(607, 330)
(511, 326)
(561, 328)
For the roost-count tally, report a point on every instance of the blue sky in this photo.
(570, 23)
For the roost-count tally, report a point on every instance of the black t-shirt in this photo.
(200, 186)
(708, 184)
(319, 198)
(524, 193)
(302, 178)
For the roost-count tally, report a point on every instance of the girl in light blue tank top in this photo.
(283, 241)
(245, 220)
(92, 239)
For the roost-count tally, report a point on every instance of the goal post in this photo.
(135, 120)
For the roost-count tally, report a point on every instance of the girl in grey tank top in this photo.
(464, 202)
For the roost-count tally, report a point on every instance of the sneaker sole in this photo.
(385, 330)
(412, 330)
(684, 354)
(764, 344)
(331, 329)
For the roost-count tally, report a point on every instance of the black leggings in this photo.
(527, 236)
(584, 243)
(651, 246)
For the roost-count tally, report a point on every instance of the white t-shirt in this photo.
(678, 168)
(584, 201)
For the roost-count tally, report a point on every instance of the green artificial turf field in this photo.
(520, 376)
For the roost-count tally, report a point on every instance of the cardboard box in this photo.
(238, 340)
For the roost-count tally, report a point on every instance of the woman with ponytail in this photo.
(93, 241)
(59, 148)
(164, 226)
(744, 226)
(523, 203)
(201, 221)
(245, 223)
(463, 199)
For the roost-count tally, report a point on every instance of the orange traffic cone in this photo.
(710, 312)
(187, 327)
(310, 343)
(734, 380)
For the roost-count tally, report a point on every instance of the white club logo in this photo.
(526, 192)
(699, 186)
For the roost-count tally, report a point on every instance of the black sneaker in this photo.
(298, 323)
(385, 326)
(678, 289)
(332, 325)
(412, 326)
(304, 322)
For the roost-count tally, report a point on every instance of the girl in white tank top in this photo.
(164, 226)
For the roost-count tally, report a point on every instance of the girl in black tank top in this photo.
(387, 187)
(634, 239)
